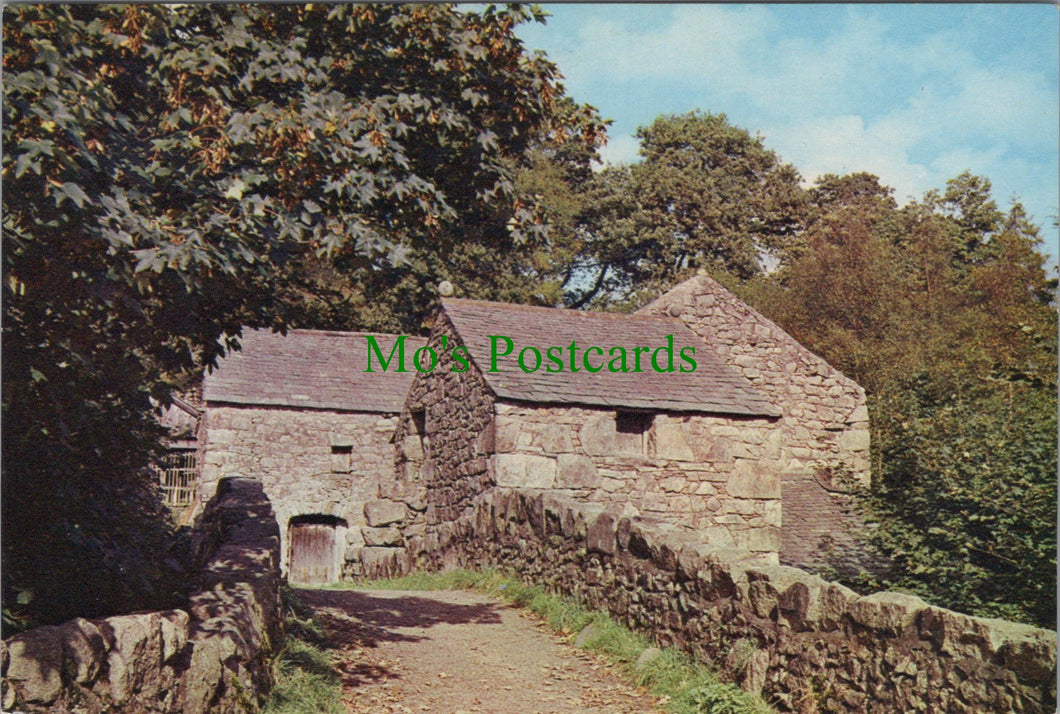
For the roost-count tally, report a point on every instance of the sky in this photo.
(915, 94)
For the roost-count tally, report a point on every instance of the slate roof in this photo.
(713, 387)
(311, 369)
(816, 519)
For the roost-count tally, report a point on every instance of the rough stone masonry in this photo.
(805, 644)
(212, 657)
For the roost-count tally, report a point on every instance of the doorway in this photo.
(314, 548)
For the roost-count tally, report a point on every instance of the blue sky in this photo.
(913, 93)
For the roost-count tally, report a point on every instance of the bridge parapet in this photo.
(213, 656)
(804, 643)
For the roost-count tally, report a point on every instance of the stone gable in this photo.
(444, 436)
(824, 418)
(310, 462)
(298, 413)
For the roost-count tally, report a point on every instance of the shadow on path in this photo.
(356, 620)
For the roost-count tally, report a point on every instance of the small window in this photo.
(631, 432)
(340, 458)
(178, 477)
(419, 421)
(419, 428)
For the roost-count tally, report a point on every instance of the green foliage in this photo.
(305, 682)
(706, 194)
(716, 194)
(720, 698)
(944, 312)
(623, 647)
(422, 580)
(687, 686)
(171, 173)
(966, 496)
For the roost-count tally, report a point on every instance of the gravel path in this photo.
(454, 652)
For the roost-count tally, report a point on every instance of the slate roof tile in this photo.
(713, 387)
(316, 369)
(811, 518)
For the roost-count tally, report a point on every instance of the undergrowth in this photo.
(305, 682)
(686, 686)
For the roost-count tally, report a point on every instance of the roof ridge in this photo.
(336, 333)
(566, 310)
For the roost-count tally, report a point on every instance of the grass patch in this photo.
(305, 680)
(486, 581)
(687, 686)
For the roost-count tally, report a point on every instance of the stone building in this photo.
(299, 412)
(824, 419)
(747, 448)
(700, 448)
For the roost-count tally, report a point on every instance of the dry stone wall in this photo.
(825, 418)
(310, 462)
(718, 475)
(805, 644)
(212, 657)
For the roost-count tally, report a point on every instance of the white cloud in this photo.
(620, 149)
(700, 39)
(873, 91)
(844, 144)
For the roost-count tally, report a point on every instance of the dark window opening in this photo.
(419, 422)
(631, 432)
(419, 427)
(340, 458)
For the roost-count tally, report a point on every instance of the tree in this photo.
(706, 194)
(844, 292)
(974, 214)
(944, 312)
(721, 196)
(172, 173)
(858, 190)
(965, 501)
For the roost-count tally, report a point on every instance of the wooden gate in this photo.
(312, 549)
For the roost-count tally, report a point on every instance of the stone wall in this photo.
(825, 419)
(805, 644)
(310, 462)
(213, 657)
(718, 475)
(442, 443)
(446, 435)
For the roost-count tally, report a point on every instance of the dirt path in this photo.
(460, 652)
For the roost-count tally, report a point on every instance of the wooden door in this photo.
(312, 548)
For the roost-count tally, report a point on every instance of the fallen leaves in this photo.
(425, 657)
